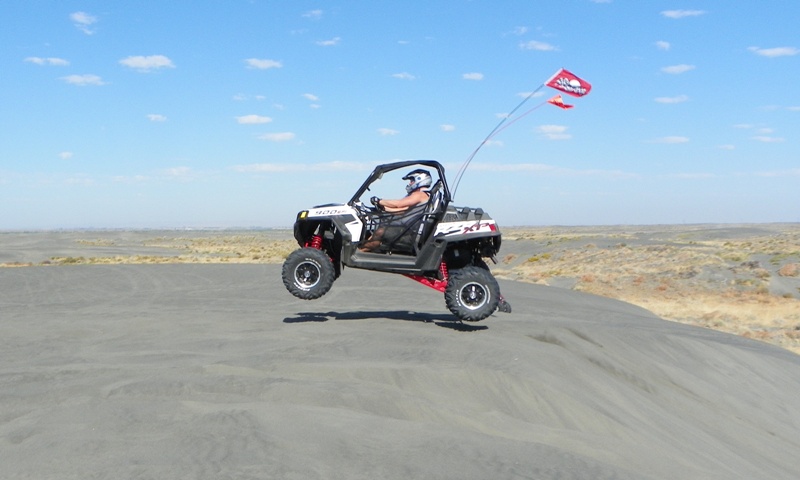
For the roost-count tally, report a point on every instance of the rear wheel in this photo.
(472, 293)
(308, 273)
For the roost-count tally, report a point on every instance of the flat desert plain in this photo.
(740, 279)
(178, 354)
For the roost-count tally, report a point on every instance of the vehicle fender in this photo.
(344, 217)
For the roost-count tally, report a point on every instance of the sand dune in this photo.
(215, 371)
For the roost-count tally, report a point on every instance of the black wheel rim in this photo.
(473, 295)
(306, 275)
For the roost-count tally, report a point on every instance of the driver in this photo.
(417, 193)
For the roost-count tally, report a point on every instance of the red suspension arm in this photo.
(434, 283)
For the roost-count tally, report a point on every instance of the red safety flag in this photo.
(559, 102)
(568, 83)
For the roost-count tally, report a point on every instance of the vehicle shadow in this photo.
(440, 320)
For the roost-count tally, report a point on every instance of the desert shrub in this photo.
(536, 258)
(69, 260)
(762, 290)
(762, 273)
(509, 258)
(789, 270)
(733, 256)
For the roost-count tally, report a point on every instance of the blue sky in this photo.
(239, 113)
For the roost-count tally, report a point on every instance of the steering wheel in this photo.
(363, 210)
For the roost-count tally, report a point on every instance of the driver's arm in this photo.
(396, 206)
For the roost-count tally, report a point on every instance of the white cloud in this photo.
(671, 140)
(514, 167)
(148, 63)
(775, 52)
(691, 176)
(83, 21)
(241, 97)
(57, 62)
(130, 179)
(793, 109)
(312, 98)
(181, 173)
(79, 179)
(662, 45)
(155, 117)
(265, 168)
(520, 30)
(313, 14)
(472, 76)
(252, 120)
(294, 167)
(768, 139)
(83, 18)
(677, 99)
(677, 69)
(541, 168)
(388, 131)
(404, 76)
(329, 43)
(794, 172)
(554, 132)
(65, 155)
(83, 80)
(447, 127)
(675, 14)
(262, 63)
(277, 137)
(537, 46)
(552, 128)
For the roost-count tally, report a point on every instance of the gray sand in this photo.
(215, 371)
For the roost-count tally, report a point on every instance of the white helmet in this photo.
(419, 179)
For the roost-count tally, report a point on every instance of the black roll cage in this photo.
(378, 172)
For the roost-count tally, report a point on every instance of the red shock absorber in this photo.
(315, 242)
(443, 271)
(434, 283)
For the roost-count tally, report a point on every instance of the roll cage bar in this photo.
(378, 172)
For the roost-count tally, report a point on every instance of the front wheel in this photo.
(308, 273)
(472, 293)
